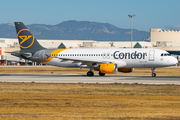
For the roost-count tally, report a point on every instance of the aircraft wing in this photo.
(93, 63)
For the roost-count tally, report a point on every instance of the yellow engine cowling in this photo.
(108, 68)
(125, 70)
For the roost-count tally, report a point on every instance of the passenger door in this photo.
(151, 55)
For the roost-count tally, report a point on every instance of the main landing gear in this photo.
(153, 72)
(91, 73)
(101, 74)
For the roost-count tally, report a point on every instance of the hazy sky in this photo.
(164, 14)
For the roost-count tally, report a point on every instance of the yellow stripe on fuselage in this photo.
(55, 52)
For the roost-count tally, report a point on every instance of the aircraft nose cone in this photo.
(174, 61)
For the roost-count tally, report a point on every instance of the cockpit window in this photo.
(165, 54)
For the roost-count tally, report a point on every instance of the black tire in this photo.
(90, 73)
(101, 74)
(153, 74)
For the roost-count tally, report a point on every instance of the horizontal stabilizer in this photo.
(26, 55)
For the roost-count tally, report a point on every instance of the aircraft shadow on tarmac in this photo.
(70, 75)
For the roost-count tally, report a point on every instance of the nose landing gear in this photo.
(153, 72)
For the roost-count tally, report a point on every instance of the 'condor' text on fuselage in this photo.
(128, 55)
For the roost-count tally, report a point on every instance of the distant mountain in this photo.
(83, 30)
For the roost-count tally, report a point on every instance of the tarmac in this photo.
(72, 78)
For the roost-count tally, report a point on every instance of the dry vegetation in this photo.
(35, 101)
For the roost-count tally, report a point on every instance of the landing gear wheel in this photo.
(101, 74)
(153, 74)
(90, 73)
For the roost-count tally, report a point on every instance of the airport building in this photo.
(165, 39)
(161, 39)
(159, 35)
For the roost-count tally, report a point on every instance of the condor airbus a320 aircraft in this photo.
(106, 61)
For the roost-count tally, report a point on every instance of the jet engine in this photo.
(125, 70)
(108, 68)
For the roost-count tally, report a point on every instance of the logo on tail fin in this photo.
(26, 40)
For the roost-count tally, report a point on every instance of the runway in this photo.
(56, 78)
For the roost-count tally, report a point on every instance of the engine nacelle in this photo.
(108, 68)
(125, 70)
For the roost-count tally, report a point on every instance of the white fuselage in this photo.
(125, 58)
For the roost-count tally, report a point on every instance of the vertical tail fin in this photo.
(26, 40)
